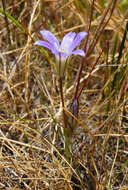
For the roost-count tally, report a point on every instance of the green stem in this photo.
(62, 101)
(66, 132)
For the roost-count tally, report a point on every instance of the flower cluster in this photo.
(64, 50)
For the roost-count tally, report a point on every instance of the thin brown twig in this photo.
(101, 26)
(84, 59)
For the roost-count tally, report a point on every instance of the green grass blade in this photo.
(13, 20)
(122, 43)
(19, 25)
(114, 52)
(116, 77)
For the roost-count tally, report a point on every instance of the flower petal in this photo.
(67, 41)
(47, 45)
(50, 37)
(79, 52)
(77, 40)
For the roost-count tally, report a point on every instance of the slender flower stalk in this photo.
(75, 104)
(61, 94)
(64, 49)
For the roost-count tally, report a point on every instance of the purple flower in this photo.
(63, 50)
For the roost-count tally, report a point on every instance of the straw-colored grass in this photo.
(34, 151)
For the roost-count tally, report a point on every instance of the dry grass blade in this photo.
(35, 150)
